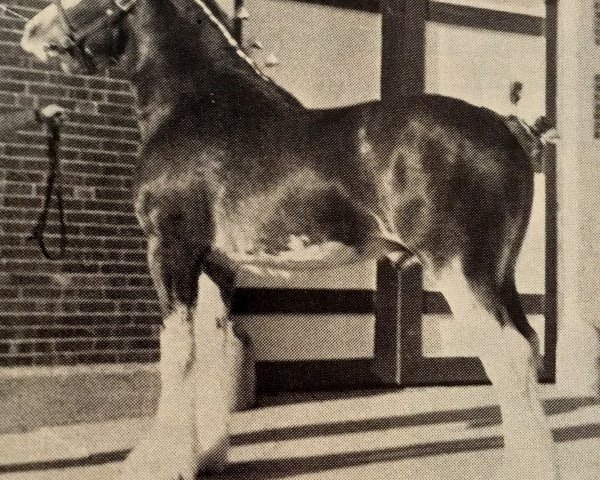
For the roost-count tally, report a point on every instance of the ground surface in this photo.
(82, 427)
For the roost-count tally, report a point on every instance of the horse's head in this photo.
(84, 34)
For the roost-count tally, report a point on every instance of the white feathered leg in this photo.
(210, 372)
(168, 450)
(206, 371)
(510, 363)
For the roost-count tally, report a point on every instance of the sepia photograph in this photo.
(299, 239)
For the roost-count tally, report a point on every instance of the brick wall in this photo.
(98, 304)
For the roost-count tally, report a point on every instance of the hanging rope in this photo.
(53, 188)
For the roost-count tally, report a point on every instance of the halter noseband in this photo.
(114, 11)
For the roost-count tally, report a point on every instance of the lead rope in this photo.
(53, 186)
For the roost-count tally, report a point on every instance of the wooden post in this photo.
(578, 194)
(398, 301)
(398, 306)
(403, 49)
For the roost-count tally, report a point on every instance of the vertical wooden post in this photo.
(578, 195)
(403, 49)
(399, 286)
(550, 303)
(398, 306)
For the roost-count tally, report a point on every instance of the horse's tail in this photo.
(544, 130)
(532, 138)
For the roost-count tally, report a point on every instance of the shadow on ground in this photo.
(477, 417)
(281, 468)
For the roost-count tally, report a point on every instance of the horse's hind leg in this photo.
(533, 445)
(491, 322)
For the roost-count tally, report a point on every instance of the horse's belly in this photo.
(300, 255)
(298, 226)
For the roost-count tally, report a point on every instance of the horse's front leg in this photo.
(190, 429)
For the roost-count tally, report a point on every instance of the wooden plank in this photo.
(273, 377)
(435, 303)
(264, 301)
(362, 5)
(403, 50)
(486, 19)
(451, 14)
(255, 301)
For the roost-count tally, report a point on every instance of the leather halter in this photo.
(114, 12)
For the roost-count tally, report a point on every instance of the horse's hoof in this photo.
(147, 472)
(163, 454)
(134, 473)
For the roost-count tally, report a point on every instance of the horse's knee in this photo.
(175, 268)
(213, 306)
(222, 271)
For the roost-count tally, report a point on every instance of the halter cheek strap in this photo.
(63, 18)
(114, 11)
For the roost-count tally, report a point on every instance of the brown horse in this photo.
(235, 173)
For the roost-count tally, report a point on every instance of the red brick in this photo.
(114, 109)
(7, 99)
(22, 202)
(14, 87)
(12, 188)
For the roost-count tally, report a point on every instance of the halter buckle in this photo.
(124, 5)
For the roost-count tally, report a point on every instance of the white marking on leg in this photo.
(168, 450)
(510, 364)
(528, 440)
(210, 371)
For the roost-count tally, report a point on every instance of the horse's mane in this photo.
(247, 75)
(220, 14)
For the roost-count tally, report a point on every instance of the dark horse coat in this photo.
(234, 172)
(232, 163)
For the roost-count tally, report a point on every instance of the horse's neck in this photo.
(183, 69)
